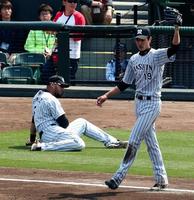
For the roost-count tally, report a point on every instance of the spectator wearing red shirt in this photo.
(70, 16)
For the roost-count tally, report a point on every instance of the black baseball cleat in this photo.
(111, 184)
(158, 187)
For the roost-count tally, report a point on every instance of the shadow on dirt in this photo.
(90, 196)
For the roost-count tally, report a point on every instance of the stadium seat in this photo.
(32, 59)
(3, 59)
(17, 75)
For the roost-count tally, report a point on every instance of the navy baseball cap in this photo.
(142, 33)
(59, 80)
(120, 47)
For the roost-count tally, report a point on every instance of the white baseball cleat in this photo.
(117, 145)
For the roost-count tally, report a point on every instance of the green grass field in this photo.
(177, 149)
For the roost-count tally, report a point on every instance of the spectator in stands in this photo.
(6, 35)
(10, 39)
(97, 11)
(40, 41)
(116, 67)
(156, 10)
(70, 16)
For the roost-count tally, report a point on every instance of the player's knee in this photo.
(81, 121)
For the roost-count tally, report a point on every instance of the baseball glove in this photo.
(173, 16)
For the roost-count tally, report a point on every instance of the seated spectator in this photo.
(97, 12)
(11, 40)
(40, 41)
(116, 67)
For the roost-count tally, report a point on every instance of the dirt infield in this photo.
(92, 190)
(16, 115)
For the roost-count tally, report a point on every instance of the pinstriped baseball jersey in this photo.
(46, 109)
(147, 71)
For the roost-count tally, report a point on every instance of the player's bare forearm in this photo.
(112, 92)
(32, 129)
(176, 37)
(32, 132)
(32, 137)
(103, 98)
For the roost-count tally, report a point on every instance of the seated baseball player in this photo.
(55, 131)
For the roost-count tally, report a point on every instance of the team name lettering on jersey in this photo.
(143, 67)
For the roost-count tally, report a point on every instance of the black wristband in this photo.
(32, 138)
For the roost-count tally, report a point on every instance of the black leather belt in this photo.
(140, 97)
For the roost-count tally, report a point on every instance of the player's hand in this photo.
(101, 100)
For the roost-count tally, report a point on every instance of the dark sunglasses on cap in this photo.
(72, 1)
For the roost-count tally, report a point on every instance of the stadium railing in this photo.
(97, 49)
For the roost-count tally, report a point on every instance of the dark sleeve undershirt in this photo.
(63, 121)
(172, 50)
(122, 86)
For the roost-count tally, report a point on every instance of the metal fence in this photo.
(97, 50)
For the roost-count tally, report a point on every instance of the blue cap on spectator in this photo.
(120, 47)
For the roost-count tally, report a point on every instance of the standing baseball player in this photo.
(146, 69)
(49, 120)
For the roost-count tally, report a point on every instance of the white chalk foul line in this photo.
(91, 184)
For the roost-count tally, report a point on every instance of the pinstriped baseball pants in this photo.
(57, 138)
(147, 112)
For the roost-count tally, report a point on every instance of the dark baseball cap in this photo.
(58, 79)
(142, 33)
(120, 47)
